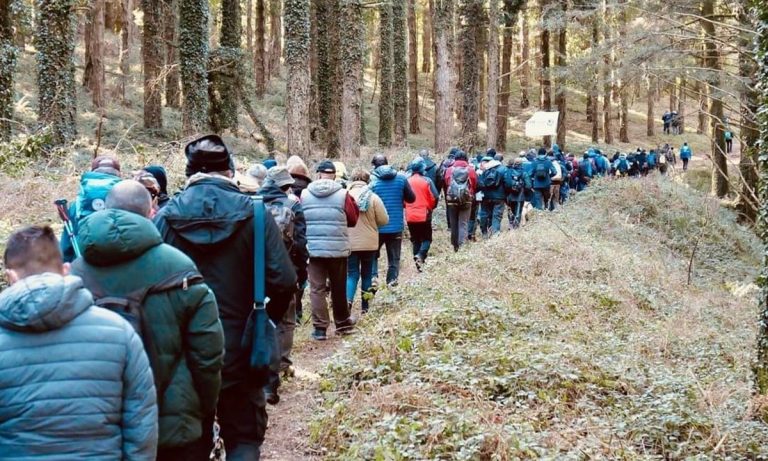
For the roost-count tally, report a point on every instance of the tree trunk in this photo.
(352, 51)
(442, 23)
(749, 134)
(126, 14)
(426, 35)
(491, 120)
(623, 88)
(703, 96)
(97, 81)
(386, 103)
(172, 81)
(561, 61)
(650, 124)
(297, 45)
(276, 43)
(525, 68)
(314, 72)
(545, 82)
(712, 61)
(510, 11)
(594, 90)
(55, 44)
(471, 12)
(8, 54)
(259, 52)
(152, 60)
(249, 28)
(400, 69)
(413, 70)
(193, 56)
(681, 105)
(608, 78)
(481, 44)
(87, 60)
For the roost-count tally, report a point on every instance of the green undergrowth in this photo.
(577, 337)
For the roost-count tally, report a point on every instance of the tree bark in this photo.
(545, 82)
(8, 56)
(400, 69)
(314, 72)
(510, 11)
(193, 56)
(594, 87)
(297, 57)
(623, 88)
(126, 29)
(525, 68)
(749, 135)
(701, 127)
(276, 43)
(259, 52)
(352, 51)
(491, 120)
(681, 104)
(333, 62)
(426, 35)
(442, 23)
(413, 69)
(97, 81)
(712, 61)
(152, 60)
(650, 124)
(386, 103)
(561, 61)
(608, 78)
(471, 12)
(249, 28)
(172, 78)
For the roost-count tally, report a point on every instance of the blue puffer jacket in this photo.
(75, 383)
(394, 190)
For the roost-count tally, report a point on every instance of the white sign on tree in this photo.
(542, 124)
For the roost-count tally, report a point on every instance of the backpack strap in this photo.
(259, 253)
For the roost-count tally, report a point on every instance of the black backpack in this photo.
(458, 190)
(491, 178)
(131, 308)
(541, 170)
(515, 182)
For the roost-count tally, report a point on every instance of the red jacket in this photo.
(472, 175)
(425, 202)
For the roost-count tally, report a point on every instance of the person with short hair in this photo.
(212, 222)
(418, 214)
(124, 254)
(75, 381)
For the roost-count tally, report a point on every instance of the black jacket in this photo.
(299, 253)
(212, 223)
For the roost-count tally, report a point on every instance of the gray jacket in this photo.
(75, 383)
(327, 234)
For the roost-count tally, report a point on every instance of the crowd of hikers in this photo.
(159, 326)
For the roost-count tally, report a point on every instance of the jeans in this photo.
(333, 270)
(515, 213)
(459, 220)
(192, 452)
(472, 223)
(243, 419)
(491, 215)
(394, 244)
(421, 238)
(543, 196)
(729, 146)
(685, 164)
(360, 266)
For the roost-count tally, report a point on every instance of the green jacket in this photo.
(123, 252)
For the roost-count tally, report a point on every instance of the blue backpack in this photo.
(623, 166)
(586, 169)
(94, 188)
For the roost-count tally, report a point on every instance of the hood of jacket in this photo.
(43, 302)
(209, 211)
(323, 187)
(385, 172)
(492, 164)
(110, 237)
(362, 195)
(269, 191)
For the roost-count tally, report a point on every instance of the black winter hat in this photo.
(326, 166)
(208, 154)
(542, 151)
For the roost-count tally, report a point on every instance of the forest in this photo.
(631, 324)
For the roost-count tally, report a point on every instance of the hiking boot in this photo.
(418, 262)
(374, 285)
(318, 335)
(346, 330)
(288, 372)
(272, 397)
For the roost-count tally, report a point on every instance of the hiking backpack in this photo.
(541, 170)
(623, 166)
(491, 178)
(94, 187)
(458, 191)
(586, 169)
(515, 183)
(285, 218)
(558, 171)
(663, 159)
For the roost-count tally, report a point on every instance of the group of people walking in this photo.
(130, 338)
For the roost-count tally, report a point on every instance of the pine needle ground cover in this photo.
(577, 337)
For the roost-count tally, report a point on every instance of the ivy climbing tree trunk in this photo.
(330, 73)
(525, 53)
(442, 22)
(413, 70)
(561, 60)
(400, 70)
(471, 13)
(386, 103)
(749, 136)
(493, 75)
(352, 51)
(171, 34)
(55, 44)
(258, 50)
(152, 60)
(193, 56)
(297, 45)
(545, 80)
(511, 9)
(594, 87)
(607, 76)
(8, 55)
(712, 62)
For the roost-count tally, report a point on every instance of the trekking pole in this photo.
(61, 207)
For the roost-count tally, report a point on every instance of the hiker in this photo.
(418, 214)
(94, 187)
(250, 182)
(151, 186)
(301, 179)
(364, 238)
(728, 135)
(557, 181)
(543, 172)
(516, 182)
(491, 184)
(460, 186)
(440, 179)
(269, 163)
(125, 258)
(341, 173)
(652, 160)
(472, 224)
(212, 222)
(675, 121)
(430, 168)
(162, 180)
(622, 166)
(586, 172)
(329, 211)
(666, 119)
(642, 162)
(574, 175)
(289, 217)
(663, 162)
(565, 186)
(393, 189)
(685, 155)
(74, 378)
